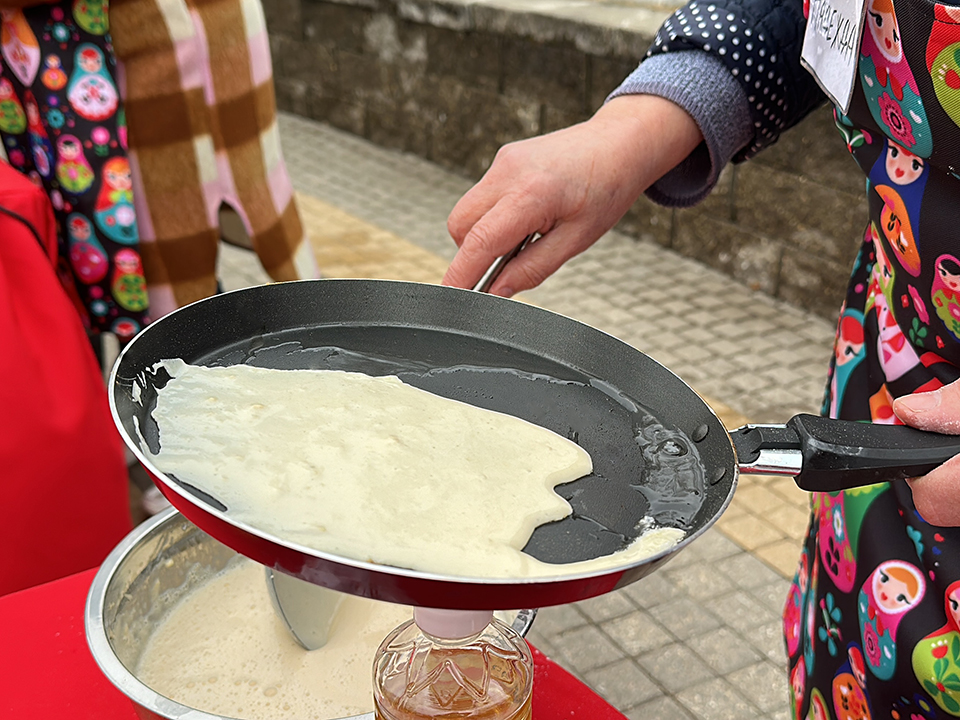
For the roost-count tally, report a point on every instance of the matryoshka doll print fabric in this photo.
(872, 618)
(61, 122)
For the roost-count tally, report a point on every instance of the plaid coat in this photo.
(202, 130)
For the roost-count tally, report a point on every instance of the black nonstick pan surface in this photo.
(659, 451)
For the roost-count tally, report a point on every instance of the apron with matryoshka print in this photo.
(62, 125)
(872, 620)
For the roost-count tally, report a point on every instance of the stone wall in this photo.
(453, 80)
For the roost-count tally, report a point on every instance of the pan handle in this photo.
(828, 455)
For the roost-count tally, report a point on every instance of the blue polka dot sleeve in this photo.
(759, 42)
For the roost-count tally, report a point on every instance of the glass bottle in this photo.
(453, 664)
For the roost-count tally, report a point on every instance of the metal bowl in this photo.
(154, 567)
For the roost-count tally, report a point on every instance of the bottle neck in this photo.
(451, 624)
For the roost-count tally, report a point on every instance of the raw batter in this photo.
(222, 649)
(373, 469)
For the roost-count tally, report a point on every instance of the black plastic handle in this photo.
(839, 454)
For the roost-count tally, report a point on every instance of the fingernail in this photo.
(921, 402)
(505, 292)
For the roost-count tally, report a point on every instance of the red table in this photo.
(46, 670)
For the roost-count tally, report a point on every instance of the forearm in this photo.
(704, 87)
(650, 134)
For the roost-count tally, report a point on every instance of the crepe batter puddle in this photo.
(373, 469)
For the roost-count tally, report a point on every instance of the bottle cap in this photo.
(451, 624)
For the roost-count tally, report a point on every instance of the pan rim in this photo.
(367, 566)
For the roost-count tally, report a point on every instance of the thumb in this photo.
(935, 411)
(935, 494)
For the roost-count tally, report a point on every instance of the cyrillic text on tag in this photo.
(831, 46)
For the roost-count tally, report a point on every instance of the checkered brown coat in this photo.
(201, 117)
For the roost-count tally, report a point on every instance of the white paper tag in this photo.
(831, 46)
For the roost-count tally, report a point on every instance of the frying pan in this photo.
(659, 451)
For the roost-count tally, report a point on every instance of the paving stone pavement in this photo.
(700, 638)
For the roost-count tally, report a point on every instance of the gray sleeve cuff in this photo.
(704, 87)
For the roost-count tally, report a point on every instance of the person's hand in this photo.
(570, 186)
(936, 494)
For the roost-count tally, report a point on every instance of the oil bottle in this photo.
(453, 664)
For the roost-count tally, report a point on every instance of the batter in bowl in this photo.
(222, 649)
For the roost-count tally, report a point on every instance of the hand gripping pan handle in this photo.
(493, 272)
(828, 455)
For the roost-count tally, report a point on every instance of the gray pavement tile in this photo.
(792, 318)
(814, 372)
(811, 354)
(756, 362)
(685, 618)
(702, 580)
(745, 383)
(587, 265)
(780, 395)
(740, 610)
(768, 639)
(609, 275)
(724, 650)
(768, 343)
(587, 648)
(770, 374)
(663, 708)
(717, 699)
(690, 555)
(765, 311)
(554, 620)
(772, 594)
(710, 546)
(606, 607)
(809, 384)
(623, 684)
(692, 375)
(655, 589)
(747, 572)
(737, 329)
(625, 300)
(763, 684)
(675, 667)
(716, 354)
(637, 633)
(541, 642)
(660, 331)
(815, 385)
(694, 337)
(708, 384)
(237, 261)
(613, 316)
(661, 355)
(820, 334)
